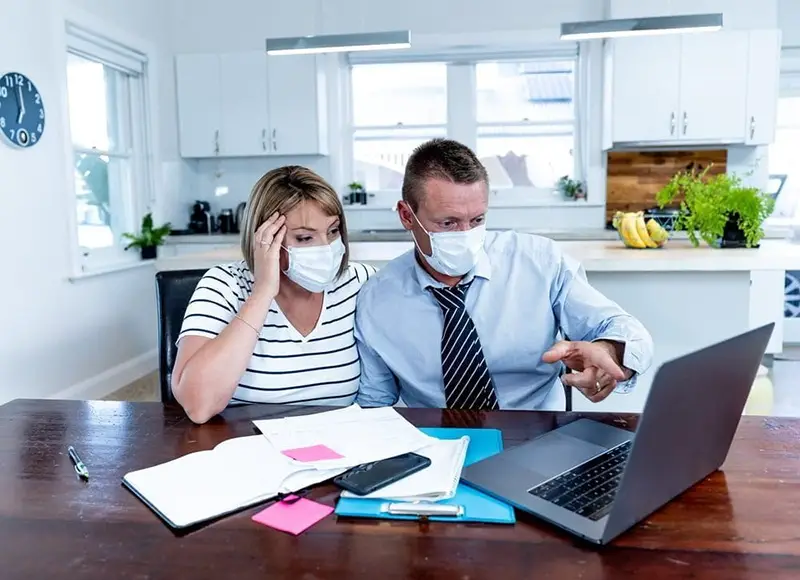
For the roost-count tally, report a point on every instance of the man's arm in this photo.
(377, 386)
(585, 314)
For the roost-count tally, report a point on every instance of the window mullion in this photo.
(462, 104)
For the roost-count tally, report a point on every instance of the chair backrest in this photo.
(174, 289)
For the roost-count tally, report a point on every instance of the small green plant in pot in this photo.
(570, 188)
(717, 209)
(149, 238)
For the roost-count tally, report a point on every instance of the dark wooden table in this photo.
(742, 522)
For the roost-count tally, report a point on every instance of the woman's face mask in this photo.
(315, 267)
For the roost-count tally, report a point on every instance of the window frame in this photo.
(135, 109)
(462, 118)
(789, 87)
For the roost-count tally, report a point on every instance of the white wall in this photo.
(59, 334)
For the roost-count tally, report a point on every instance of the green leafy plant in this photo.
(148, 237)
(570, 188)
(712, 205)
(355, 186)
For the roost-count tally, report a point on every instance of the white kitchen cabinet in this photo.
(691, 89)
(297, 106)
(713, 86)
(646, 88)
(244, 120)
(199, 104)
(763, 71)
(247, 104)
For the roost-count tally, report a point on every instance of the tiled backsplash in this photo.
(635, 177)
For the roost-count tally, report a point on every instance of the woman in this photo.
(276, 327)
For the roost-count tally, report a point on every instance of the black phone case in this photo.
(350, 479)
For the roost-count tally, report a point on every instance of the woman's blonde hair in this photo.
(282, 190)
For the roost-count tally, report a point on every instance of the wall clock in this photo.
(21, 110)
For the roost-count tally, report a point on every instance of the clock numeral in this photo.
(41, 113)
(30, 86)
(38, 99)
(33, 138)
(20, 80)
(39, 128)
(2, 122)
(3, 92)
(9, 81)
(13, 132)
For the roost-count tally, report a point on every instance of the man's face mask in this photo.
(453, 253)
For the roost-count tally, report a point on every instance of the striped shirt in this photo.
(286, 367)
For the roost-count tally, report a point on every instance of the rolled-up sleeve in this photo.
(377, 385)
(584, 313)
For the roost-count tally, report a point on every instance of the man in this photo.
(471, 319)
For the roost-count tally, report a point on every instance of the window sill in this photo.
(493, 203)
(110, 269)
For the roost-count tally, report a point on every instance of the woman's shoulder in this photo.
(361, 272)
(234, 275)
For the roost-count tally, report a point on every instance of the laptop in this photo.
(596, 481)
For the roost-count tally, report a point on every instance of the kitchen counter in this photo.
(596, 256)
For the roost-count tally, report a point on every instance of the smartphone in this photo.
(369, 477)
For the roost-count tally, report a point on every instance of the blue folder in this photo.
(478, 507)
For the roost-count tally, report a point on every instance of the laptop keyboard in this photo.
(588, 489)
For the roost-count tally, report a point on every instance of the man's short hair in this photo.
(443, 159)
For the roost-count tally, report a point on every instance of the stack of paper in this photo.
(436, 482)
(345, 437)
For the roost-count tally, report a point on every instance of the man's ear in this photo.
(405, 214)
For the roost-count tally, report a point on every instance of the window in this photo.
(395, 108)
(518, 115)
(783, 159)
(107, 117)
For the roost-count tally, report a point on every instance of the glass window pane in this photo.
(99, 191)
(381, 156)
(405, 93)
(525, 91)
(526, 160)
(95, 92)
(789, 112)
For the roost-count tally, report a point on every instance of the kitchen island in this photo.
(687, 297)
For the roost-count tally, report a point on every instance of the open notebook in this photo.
(204, 485)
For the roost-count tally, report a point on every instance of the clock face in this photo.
(21, 110)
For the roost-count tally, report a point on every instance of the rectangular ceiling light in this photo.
(640, 26)
(320, 43)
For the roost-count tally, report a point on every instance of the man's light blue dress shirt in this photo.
(524, 291)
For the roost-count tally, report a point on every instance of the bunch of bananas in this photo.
(635, 233)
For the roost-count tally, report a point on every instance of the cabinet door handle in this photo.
(752, 127)
(685, 122)
(216, 142)
(275, 139)
(672, 123)
(264, 139)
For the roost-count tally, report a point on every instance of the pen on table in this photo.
(80, 468)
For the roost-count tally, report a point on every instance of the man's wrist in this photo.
(617, 351)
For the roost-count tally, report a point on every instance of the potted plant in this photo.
(149, 238)
(570, 188)
(718, 208)
(357, 193)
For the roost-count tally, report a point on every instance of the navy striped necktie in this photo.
(467, 382)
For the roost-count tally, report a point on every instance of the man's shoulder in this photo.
(513, 245)
(388, 278)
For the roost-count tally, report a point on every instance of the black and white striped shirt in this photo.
(321, 368)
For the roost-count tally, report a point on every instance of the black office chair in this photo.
(174, 289)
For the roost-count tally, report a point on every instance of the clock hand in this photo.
(20, 104)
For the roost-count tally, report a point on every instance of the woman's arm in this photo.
(207, 370)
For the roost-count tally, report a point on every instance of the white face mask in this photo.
(454, 253)
(315, 267)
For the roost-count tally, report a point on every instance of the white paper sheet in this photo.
(359, 435)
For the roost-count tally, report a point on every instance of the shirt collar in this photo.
(483, 269)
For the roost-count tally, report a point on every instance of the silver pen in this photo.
(80, 468)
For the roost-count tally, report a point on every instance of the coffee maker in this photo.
(201, 221)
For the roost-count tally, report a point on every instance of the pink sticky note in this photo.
(295, 517)
(312, 453)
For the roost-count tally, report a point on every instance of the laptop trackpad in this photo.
(553, 453)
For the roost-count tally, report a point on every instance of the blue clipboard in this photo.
(477, 506)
